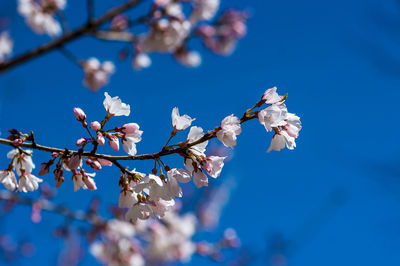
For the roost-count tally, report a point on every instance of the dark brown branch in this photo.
(67, 37)
(51, 207)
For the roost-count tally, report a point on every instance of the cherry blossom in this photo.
(286, 135)
(271, 96)
(80, 114)
(22, 162)
(127, 198)
(188, 58)
(195, 134)
(95, 125)
(180, 122)
(204, 9)
(273, 116)
(40, 15)
(165, 36)
(96, 74)
(140, 61)
(175, 175)
(230, 128)
(222, 37)
(114, 142)
(83, 180)
(115, 107)
(8, 179)
(213, 165)
(160, 207)
(6, 46)
(138, 211)
(129, 144)
(28, 182)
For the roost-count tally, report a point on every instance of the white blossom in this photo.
(213, 165)
(129, 144)
(180, 122)
(273, 116)
(40, 15)
(153, 186)
(205, 9)
(127, 199)
(271, 96)
(96, 74)
(174, 9)
(165, 36)
(189, 59)
(6, 46)
(138, 211)
(114, 106)
(293, 125)
(8, 179)
(195, 134)
(141, 61)
(117, 228)
(175, 175)
(230, 128)
(160, 207)
(28, 182)
(200, 179)
(22, 161)
(84, 181)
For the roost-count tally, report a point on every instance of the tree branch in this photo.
(181, 149)
(51, 207)
(67, 37)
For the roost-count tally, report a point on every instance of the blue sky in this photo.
(336, 196)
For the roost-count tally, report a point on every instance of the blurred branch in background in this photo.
(170, 27)
(68, 37)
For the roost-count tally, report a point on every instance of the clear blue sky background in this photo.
(336, 196)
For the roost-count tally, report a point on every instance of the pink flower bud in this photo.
(17, 142)
(100, 138)
(96, 165)
(44, 169)
(80, 114)
(95, 125)
(74, 162)
(206, 165)
(55, 154)
(58, 174)
(114, 142)
(130, 129)
(104, 162)
(81, 142)
(89, 182)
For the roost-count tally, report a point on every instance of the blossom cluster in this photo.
(170, 28)
(276, 117)
(22, 164)
(156, 242)
(97, 74)
(151, 194)
(170, 25)
(40, 15)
